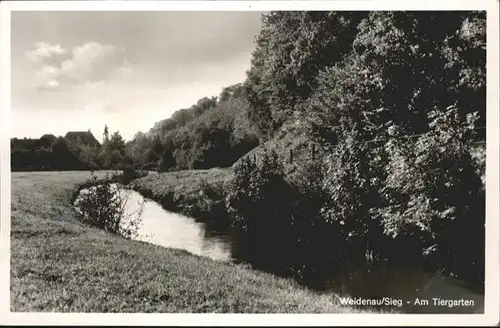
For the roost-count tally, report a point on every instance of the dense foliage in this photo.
(212, 133)
(258, 200)
(292, 48)
(50, 153)
(57, 154)
(397, 102)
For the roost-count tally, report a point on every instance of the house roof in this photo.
(48, 136)
(86, 137)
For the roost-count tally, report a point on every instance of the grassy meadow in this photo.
(59, 264)
(195, 193)
(181, 182)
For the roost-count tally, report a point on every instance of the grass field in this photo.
(181, 182)
(183, 192)
(59, 264)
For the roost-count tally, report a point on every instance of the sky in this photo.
(74, 71)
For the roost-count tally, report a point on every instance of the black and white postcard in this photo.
(201, 162)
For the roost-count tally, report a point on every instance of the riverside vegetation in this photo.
(394, 101)
(59, 263)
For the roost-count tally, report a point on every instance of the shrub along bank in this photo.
(313, 221)
(196, 193)
(59, 264)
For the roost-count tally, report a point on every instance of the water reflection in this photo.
(417, 291)
(173, 230)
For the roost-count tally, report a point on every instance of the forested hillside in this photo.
(396, 101)
(215, 132)
(312, 71)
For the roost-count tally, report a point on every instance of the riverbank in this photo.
(174, 190)
(59, 264)
(195, 193)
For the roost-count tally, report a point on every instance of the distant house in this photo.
(84, 137)
(45, 141)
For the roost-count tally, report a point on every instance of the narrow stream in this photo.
(174, 230)
(404, 289)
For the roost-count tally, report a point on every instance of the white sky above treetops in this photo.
(81, 70)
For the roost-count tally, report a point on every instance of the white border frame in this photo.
(492, 306)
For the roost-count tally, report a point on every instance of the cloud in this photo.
(44, 51)
(89, 63)
(46, 78)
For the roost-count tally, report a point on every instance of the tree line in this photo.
(215, 132)
(73, 152)
(397, 102)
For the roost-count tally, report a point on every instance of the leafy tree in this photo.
(395, 75)
(136, 149)
(351, 196)
(258, 201)
(204, 104)
(116, 142)
(60, 146)
(181, 118)
(319, 244)
(63, 158)
(402, 68)
(291, 49)
(167, 161)
(231, 92)
(113, 152)
(433, 191)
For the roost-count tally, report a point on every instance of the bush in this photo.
(103, 205)
(209, 204)
(318, 240)
(130, 174)
(212, 190)
(259, 203)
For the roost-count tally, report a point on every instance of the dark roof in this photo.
(86, 137)
(48, 136)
